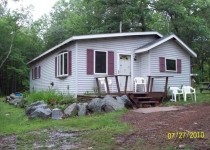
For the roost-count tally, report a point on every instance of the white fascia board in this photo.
(192, 53)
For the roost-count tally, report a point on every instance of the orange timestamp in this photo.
(183, 135)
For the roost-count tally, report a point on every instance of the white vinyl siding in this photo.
(65, 85)
(125, 45)
(170, 49)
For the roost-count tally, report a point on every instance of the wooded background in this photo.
(22, 39)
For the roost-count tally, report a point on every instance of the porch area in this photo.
(138, 99)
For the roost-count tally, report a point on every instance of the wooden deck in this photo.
(139, 99)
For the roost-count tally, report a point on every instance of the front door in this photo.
(124, 69)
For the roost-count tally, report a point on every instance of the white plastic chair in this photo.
(103, 83)
(140, 81)
(188, 90)
(175, 91)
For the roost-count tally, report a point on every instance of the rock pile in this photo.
(97, 105)
(14, 99)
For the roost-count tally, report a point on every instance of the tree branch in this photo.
(10, 50)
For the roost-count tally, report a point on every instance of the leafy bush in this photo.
(51, 97)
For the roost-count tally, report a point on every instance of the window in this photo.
(100, 62)
(171, 65)
(62, 63)
(36, 72)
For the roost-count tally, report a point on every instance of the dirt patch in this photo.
(179, 129)
(46, 139)
(157, 109)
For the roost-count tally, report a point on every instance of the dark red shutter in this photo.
(39, 72)
(179, 66)
(90, 58)
(70, 62)
(35, 72)
(32, 73)
(162, 64)
(56, 67)
(110, 63)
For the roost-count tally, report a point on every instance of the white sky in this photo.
(41, 7)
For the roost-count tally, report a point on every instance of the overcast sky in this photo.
(41, 7)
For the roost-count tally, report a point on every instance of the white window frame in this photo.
(59, 73)
(95, 62)
(166, 64)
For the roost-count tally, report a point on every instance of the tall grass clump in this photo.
(50, 96)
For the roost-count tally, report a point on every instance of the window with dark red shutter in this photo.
(179, 66)
(90, 58)
(32, 73)
(56, 67)
(35, 72)
(110, 63)
(70, 62)
(39, 72)
(162, 64)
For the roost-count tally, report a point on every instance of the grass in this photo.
(103, 127)
(200, 99)
(49, 96)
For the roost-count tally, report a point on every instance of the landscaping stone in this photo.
(82, 109)
(12, 96)
(16, 101)
(57, 114)
(32, 107)
(40, 113)
(71, 110)
(127, 103)
(110, 102)
(95, 105)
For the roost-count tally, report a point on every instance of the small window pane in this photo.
(170, 64)
(100, 62)
(65, 63)
(61, 65)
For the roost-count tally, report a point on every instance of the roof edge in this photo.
(94, 36)
(192, 53)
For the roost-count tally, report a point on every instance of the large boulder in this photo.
(40, 113)
(12, 96)
(95, 105)
(57, 114)
(110, 104)
(32, 107)
(71, 110)
(124, 99)
(82, 109)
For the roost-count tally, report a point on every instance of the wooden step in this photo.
(143, 97)
(152, 103)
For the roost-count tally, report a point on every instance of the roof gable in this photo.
(162, 40)
(94, 36)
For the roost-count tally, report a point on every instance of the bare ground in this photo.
(153, 130)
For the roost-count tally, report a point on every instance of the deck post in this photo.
(151, 84)
(118, 86)
(98, 87)
(126, 83)
(166, 84)
(148, 85)
(107, 85)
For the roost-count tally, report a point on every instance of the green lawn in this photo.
(200, 98)
(103, 127)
